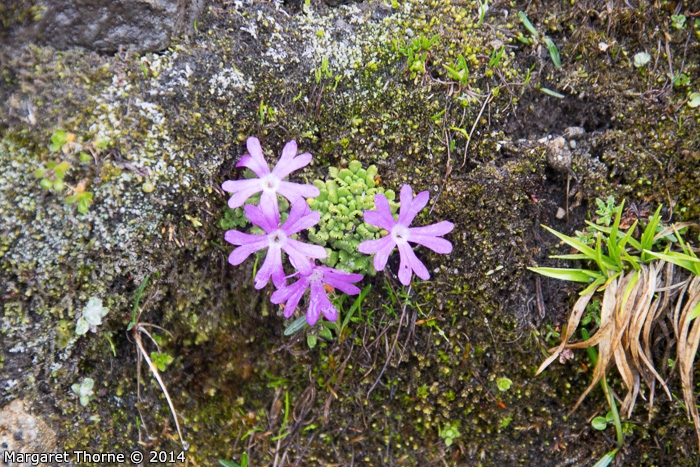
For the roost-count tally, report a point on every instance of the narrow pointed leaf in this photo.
(565, 274)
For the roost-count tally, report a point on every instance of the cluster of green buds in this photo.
(52, 176)
(345, 196)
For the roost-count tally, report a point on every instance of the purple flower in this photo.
(316, 280)
(400, 234)
(269, 183)
(276, 239)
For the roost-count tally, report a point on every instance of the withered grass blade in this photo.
(574, 319)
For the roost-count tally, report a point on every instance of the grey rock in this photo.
(100, 25)
(22, 432)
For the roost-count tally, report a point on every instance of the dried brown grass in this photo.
(637, 307)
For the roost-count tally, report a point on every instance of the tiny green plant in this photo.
(81, 197)
(641, 59)
(483, 8)
(496, 56)
(52, 176)
(449, 433)
(459, 71)
(504, 384)
(678, 21)
(91, 316)
(535, 38)
(161, 360)
(84, 391)
(417, 51)
(323, 70)
(60, 138)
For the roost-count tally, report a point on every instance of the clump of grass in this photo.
(645, 284)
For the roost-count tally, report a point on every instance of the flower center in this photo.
(399, 234)
(270, 183)
(316, 275)
(277, 238)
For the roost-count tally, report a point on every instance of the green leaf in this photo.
(573, 256)
(46, 183)
(326, 334)
(599, 423)
(311, 340)
(82, 327)
(594, 285)
(83, 206)
(58, 139)
(647, 239)
(694, 100)
(565, 274)
(679, 259)
(606, 459)
(296, 326)
(226, 463)
(549, 92)
(553, 52)
(528, 25)
(355, 306)
(580, 246)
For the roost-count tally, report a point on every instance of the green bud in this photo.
(331, 258)
(361, 174)
(354, 166)
(372, 171)
(46, 183)
(390, 195)
(333, 172)
(344, 174)
(320, 184)
(344, 192)
(357, 189)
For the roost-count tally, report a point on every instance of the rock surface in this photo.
(100, 25)
(22, 432)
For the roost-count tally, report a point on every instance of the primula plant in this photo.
(338, 204)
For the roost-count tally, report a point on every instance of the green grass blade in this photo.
(572, 242)
(627, 238)
(575, 256)
(551, 93)
(593, 286)
(679, 259)
(528, 25)
(227, 463)
(355, 306)
(553, 52)
(612, 237)
(606, 459)
(565, 274)
(647, 239)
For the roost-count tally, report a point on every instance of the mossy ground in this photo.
(178, 120)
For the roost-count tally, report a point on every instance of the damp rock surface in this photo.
(101, 25)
